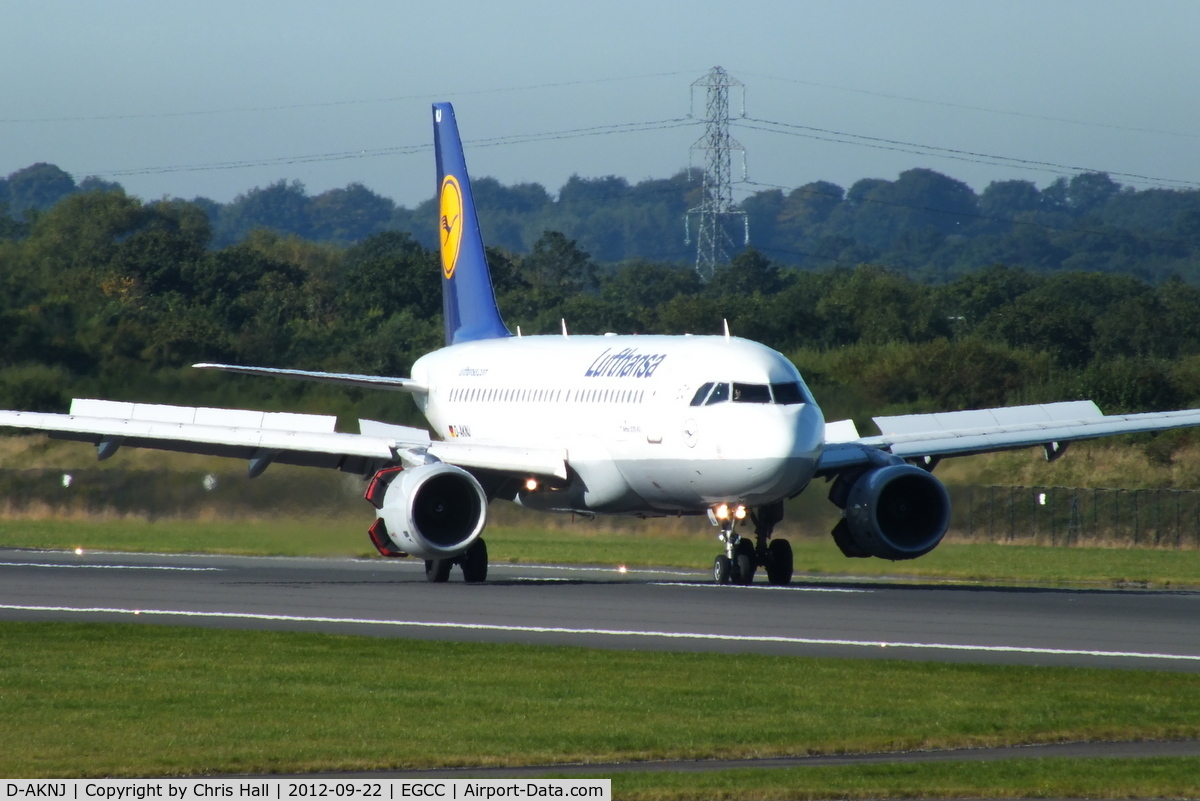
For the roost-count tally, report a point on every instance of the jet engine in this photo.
(432, 511)
(898, 511)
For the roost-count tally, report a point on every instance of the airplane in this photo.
(608, 424)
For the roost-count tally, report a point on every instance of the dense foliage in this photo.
(923, 223)
(103, 294)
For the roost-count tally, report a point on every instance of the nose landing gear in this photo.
(742, 558)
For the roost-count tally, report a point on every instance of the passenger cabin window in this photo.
(751, 393)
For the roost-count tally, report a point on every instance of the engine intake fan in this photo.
(432, 511)
(894, 512)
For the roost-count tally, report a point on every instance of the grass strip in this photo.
(820, 556)
(279, 537)
(147, 700)
(1024, 778)
(981, 562)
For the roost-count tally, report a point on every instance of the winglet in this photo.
(468, 300)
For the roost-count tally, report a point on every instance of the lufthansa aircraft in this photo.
(623, 425)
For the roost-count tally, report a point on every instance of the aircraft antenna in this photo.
(713, 241)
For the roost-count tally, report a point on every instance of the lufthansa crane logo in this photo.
(450, 224)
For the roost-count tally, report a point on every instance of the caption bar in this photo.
(280, 789)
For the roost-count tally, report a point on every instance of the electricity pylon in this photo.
(713, 241)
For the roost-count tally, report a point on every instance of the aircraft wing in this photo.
(929, 437)
(263, 438)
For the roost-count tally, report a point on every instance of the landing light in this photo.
(740, 512)
(531, 484)
(723, 512)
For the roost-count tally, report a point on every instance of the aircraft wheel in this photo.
(743, 569)
(722, 568)
(438, 570)
(779, 562)
(744, 563)
(475, 562)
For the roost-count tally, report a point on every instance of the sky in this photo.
(185, 99)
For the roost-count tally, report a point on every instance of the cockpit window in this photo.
(720, 394)
(751, 393)
(701, 394)
(788, 394)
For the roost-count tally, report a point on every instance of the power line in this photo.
(406, 150)
(329, 103)
(880, 143)
(985, 109)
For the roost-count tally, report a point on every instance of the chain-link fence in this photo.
(1075, 516)
(1061, 516)
(156, 493)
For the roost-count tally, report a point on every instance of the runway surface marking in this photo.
(1011, 649)
(113, 567)
(768, 587)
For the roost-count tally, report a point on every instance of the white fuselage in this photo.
(621, 407)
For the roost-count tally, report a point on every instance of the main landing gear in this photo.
(474, 563)
(743, 557)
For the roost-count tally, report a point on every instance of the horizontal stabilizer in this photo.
(348, 379)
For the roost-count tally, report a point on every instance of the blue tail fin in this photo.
(468, 300)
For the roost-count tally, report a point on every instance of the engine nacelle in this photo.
(433, 511)
(894, 512)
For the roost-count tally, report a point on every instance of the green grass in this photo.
(101, 699)
(820, 557)
(1031, 778)
(282, 537)
(588, 544)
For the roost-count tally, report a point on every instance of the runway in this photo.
(600, 607)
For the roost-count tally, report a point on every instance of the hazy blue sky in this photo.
(111, 87)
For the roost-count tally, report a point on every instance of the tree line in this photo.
(923, 223)
(103, 295)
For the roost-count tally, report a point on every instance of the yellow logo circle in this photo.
(450, 224)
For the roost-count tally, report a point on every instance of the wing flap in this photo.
(986, 430)
(988, 418)
(237, 438)
(203, 416)
(301, 439)
(260, 437)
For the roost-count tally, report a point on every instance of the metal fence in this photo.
(1069, 516)
(1058, 516)
(159, 493)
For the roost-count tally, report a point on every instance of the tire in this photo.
(437, 571)
(722, 567)
(743, 572)
(779, 562)
(745, 562)
(475, 562)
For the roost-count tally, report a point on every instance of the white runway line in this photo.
(770, 587)
(112, 567)
(673, 635)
